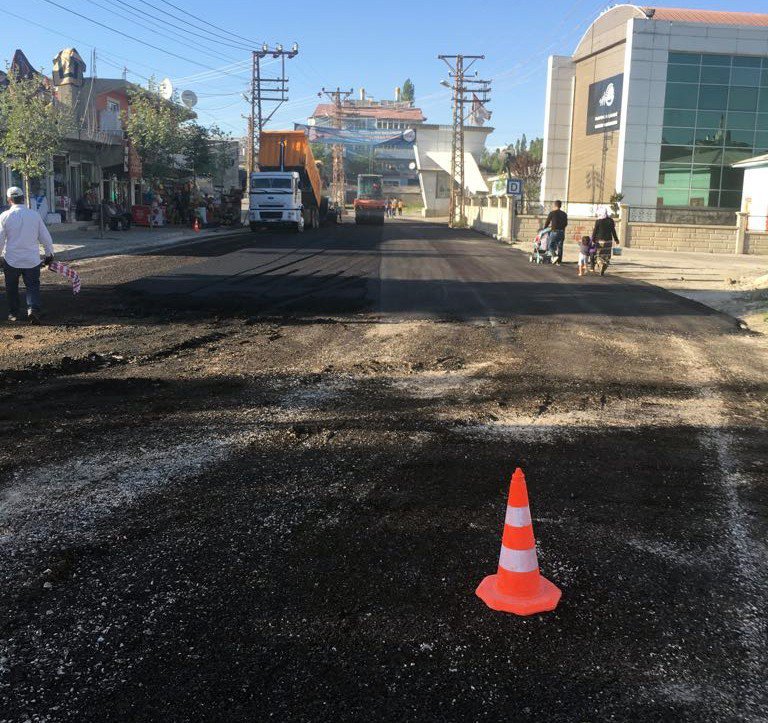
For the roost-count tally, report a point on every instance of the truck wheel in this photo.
(254, 226)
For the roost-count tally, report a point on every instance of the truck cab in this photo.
(276, 200)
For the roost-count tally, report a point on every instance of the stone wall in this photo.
(492, 219)
(757, 243)
(673, 237)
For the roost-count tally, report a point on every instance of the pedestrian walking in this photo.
(557, 222)
(22, 232)
(603, 235)
(586, 252)
(400, 207)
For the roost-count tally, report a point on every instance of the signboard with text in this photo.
(515, 187)
(604, 106)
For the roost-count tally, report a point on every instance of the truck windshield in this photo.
(369, 187)
(268, 183)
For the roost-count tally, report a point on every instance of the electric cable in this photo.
(249, 41)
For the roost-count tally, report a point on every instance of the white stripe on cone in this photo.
(518, 516)
(518, 560)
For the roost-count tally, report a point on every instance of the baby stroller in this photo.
(541, 253)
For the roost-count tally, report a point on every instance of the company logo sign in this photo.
(604, 108)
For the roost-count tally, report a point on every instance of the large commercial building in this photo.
(657, 104)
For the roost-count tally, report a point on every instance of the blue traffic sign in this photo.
(515, 187)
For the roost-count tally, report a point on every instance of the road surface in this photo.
(260, 478)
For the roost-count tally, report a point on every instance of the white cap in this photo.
(14, 192)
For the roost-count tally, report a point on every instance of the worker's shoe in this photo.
(12, 317)
(33, 316)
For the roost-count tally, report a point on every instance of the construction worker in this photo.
(22, 232)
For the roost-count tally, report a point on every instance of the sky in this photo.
(356, 45)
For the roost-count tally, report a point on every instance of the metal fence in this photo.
(683, 215)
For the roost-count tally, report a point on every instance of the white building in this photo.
(755, 197)
(433, 162)
(657, 104)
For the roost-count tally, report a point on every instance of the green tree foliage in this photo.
(522, 159)
(154, 128)
(32, 126)
(408, 91)
(206, 150)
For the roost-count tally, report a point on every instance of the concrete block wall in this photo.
(672, 237)
(757, 243)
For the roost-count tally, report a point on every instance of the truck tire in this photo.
(254, 226)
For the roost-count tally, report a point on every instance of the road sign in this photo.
(515, 187)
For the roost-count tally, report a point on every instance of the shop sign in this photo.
(131, 161)
(604, 107)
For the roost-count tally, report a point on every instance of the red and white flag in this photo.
(69, 273)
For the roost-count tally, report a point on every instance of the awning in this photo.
(473, 179)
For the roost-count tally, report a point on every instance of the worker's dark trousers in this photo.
(31, 282)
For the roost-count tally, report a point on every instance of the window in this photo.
(716, 74)
(743, 99)
(683, 73)
(715, 114)
(713, 97)
(683, 95)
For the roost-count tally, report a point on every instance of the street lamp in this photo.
(446, 83)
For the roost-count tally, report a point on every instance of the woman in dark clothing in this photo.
(603, 235)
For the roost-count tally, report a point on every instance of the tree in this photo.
(524, 160)
(408, 91)
(206, 150)
(32, 127)
(154, 128)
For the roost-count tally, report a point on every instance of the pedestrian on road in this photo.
(400, 207)
(586, 250)
(22, 232)
(603, 235)
(557, 222)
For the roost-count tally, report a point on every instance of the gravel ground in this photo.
(255, 516)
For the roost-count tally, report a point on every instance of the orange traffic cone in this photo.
(517, 587)
(196, 224)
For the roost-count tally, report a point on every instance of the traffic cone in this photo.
(517, 587)
(196, 224)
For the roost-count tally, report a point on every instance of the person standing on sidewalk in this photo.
(557, 222)
(22, 232)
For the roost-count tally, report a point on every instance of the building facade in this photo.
(657, 104)
(394, 161)
(433, 150)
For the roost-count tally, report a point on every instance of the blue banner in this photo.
(344, 137)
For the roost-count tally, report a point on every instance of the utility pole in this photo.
(266, 90)
(461, 87)
(339, 180)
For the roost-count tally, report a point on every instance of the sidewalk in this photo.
(80, 243)
(735, 285)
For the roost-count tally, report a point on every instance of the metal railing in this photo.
(683, 215)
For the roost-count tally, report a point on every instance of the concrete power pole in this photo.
(461, 86)
(263, 90)
(338, 179)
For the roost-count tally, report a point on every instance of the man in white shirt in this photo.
(22, 231)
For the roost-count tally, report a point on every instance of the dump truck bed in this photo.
(298, 157)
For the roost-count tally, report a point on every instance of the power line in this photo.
(225, 38)
(192, 33)
(208, 23)
(174, 38)
(126, 35)
(82, 42)
(339, 181)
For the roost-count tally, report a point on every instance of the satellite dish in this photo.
(409, 135)
(189, 98)
(165, 89)
(412, 166)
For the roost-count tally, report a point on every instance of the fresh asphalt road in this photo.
(259, 477)
(404, 269)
